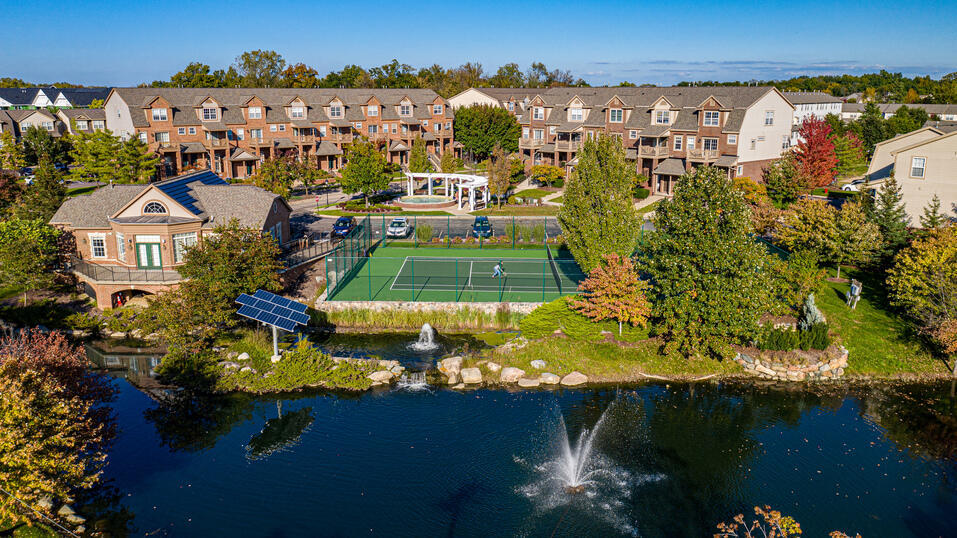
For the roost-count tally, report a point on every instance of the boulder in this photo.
(574, 378)
(453, 379)
(65, 511)
(74, 519)
(81, 530)
(528, 383)
(549, 378)
(382, 376)
(460, 386)
(247, 369)
(538, 364)
(471, 375)
(242, 356)
(275, 358)
(451, 365)
(45, 503)
(493, 366)
(510, 374)
(230, 365)
(232, 355)
(397, 370)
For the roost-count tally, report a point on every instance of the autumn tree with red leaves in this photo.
(815, 154)
(614, 291)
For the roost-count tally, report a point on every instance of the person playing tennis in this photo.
(499, 270)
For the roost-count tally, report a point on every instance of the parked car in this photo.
(854, 186)
(343, 226)
(399, 227)
(482, 227)
(62, 167)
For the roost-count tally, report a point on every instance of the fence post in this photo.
(415, 231)
(456, 280)
(448, 231)
(369, 261)
(412, 265)
(326, 275)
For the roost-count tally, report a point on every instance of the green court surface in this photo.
(452, 275)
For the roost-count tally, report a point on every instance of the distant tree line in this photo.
(267, 68)
(883, 87)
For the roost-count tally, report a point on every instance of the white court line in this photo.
(392, 287)
(429, 287)
(468, 283)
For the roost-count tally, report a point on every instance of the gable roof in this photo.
(934, 140)
(806, 98)
(95, 209)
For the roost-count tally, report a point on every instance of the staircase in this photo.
(436, 162)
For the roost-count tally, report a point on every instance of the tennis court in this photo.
(453, 275)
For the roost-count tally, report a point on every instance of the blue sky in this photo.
(113, 42)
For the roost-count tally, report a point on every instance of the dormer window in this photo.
(210, 113)
(335, 111)
(662, 117)
(154, 208)
(159, 114)
(372, 110)
(711, 118)
(255, 113)
(575, 114)
(615, 115)
(538, 113)
(436, 110)
(297, 112)
(405, 110)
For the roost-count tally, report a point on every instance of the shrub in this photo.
(538, 233)
(640, 193)
(559, 315)
(786, 338)
(423, 232)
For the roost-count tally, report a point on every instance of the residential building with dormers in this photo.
(232, 130)
(665, 131)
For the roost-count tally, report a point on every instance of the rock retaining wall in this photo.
(829, 364)
(380, 306)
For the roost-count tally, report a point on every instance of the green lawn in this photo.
(879, 342)
(533, 193)
(452, 275)
(648, 208)
(558, 200)
(36, 531)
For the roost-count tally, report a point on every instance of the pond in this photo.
(665, 460)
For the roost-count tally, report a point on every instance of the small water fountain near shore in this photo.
(426, 340)
(413, 381)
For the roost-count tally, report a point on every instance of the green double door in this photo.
(148, 256)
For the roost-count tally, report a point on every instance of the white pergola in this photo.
(475, 187)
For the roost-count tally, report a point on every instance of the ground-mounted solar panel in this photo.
(245, 299)
(272, 309)
(300, 318)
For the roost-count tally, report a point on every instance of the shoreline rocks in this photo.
(574, 379)
(471, 376)
(549, 378)
(510, 374)
(808, 366)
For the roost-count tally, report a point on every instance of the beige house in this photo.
(924, 162)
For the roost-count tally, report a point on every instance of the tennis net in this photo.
(554, 266)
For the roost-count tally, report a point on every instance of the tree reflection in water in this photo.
(279, 433)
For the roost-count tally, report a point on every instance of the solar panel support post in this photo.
(275, 343)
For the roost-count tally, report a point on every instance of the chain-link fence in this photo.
(465, 232)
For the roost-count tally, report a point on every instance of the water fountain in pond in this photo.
(426, 340)
(413, 381)
(579, 474)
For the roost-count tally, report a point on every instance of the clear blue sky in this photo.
(122, 42)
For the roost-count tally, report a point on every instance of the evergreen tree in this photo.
(870, 127)
(850, 155)
(94, 156)
(712, 281)
(783, 181)
(856, 239)
(449, 162)
(39, 142)
(891, 218)
(28, 250)
(43, 197)
(419, 158)
(597, 216)
(932, 218)
(135, 162)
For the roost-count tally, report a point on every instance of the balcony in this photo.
(216, 142)
(531, 142)
(703, 154)
(568, 145)
(653, 151)
(167, 146)
(121, 274)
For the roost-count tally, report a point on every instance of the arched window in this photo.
(153, 208)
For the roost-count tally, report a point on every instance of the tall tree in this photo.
(499, 174)
(508, 76)
(614, 291)
(932, 217)
(449, 162)
(301, 75)
(712, 281)
(482, 127)
(890, 216)
(43, 197)
(11, 153)
(28, 252)
(10, 190)
(55, 428)
(815, 152)
(135, 162)
(850, 155)
(809, 227)
(197, 75)
(95, 156)
(870, 127)
(276, 175)
(365, 171)
(39, 142)
(856, 239)
(260, 68)
(393, 75)
(419, 158)
(783, 180)
(597, 216)
(351, 76)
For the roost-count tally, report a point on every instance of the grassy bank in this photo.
(38, 530)
(880, 343)
(519, 211)
(357, 214)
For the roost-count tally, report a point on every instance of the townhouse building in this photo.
(82, 120)
(940, 112)
(665, 131)
(924, 163)
(512, 99)
(232, 130)
(811, 105)
(130, 239)
(18, 121)
(49, 96)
